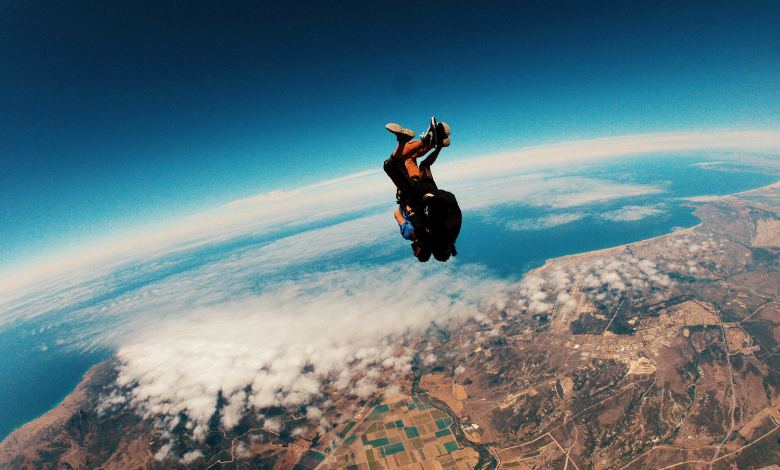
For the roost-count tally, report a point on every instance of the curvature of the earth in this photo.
(284, 326)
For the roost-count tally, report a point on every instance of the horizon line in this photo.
(179, 234)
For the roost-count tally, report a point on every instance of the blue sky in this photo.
(115, 115)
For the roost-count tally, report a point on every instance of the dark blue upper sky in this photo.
(119, 114)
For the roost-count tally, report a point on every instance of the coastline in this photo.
(49, 422)
(586, 254)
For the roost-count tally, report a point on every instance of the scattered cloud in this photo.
(628, 213)
(191, 457)
(276, 347)
(584, 194)
(702, 198)
(634, 213)
(708, 164)
(546, 190)
(542, 223)
(603, 279)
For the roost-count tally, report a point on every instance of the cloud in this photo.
(277, 347)
(545, 190)
(634, 213)
(603, 280)
(191, 457)
(221, 278)
(542, 223)
(625, 214)
(702, 198)
(164, 453)
(603, 192)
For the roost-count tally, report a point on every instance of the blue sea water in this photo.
(37, 372)
(510, 254)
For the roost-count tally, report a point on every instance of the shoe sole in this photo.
(399, 131)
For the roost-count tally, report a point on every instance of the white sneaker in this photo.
(403, 135)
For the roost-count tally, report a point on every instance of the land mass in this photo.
(659, 354)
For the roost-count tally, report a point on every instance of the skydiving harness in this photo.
(417, 213)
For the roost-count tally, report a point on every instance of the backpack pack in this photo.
(436, 218)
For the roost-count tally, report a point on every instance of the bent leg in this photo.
(408, 154)
(402, 167)
(399, 151)
(399, 178)
(411, 168)
(414, 149)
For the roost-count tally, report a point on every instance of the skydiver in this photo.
(427, 216)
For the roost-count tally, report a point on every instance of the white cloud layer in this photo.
(634, 213)
(545, 190)
(277, 347)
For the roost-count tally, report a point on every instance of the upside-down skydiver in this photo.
(428, 216)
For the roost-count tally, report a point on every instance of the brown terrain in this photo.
(679, 369)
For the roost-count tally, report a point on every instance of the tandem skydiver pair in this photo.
(429, 217)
